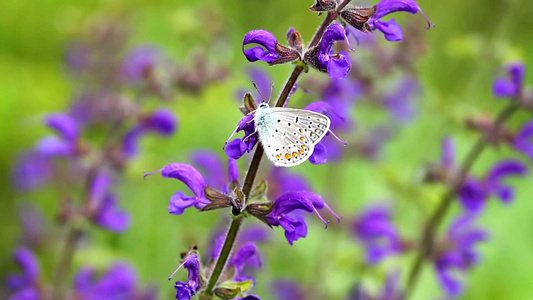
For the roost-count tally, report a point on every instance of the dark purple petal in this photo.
(162, 121)
(54, 146)
(295, 228)
(27, 262)
(523, 140)
(183, 291)
(109, 216)
(472, 195)
(211, 166)
(64, 125)
(391, 30)
(186, 174)
(339, 65)
(119, 282)
(385, 7)
(236, 148)
(249, 297)
(291, 201)
(99, 187)
(254, 234)
(319, 156)
(263, 38)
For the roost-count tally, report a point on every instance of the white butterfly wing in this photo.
(289, 135)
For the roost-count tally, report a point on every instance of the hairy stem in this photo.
(231, 236)
(65, 263)
(428, 236)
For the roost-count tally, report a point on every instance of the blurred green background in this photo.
(464, 53)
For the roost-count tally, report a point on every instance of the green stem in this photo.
(428, 236)
(65, 263)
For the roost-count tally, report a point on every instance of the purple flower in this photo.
(238, 147)
(119, 282)
(194, 181)
(24, 285)
(34, 225)
(391, 30)
(287, 289)
(459, 253)
(523, 140)
(110, 216)
(281, 181)
(341, 95)
(399, 103)
(474, 192)
(160, 121)
(447, 153)
(211, 166)
(271, 51)
(185, 290)
(139, 62)
(375, 230)
(322, 57)
(294, 225)
(513, 84)
(104, 206)
(32, 170)
(263, 82)
(63, 145)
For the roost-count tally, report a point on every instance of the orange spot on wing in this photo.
(294, 154)
(287, 156)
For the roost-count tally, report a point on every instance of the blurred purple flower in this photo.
(294, 225)
(185, 290)
(460, 255)
(283, 289)
(390, 290)
(34, 225)
(77, 56)
(341, 95)
(391, 30)
(375, 230)
(104, 206)
(24, 285)
(160, 121)
(281, 181)
(263, 82)
(139, 62)
(473, 194)
(211, 167)
(399, 103)
(513, 84)
(32, 170)
(68, 131)
(447, 153)
(324, 59)
(119, 282)
(523, 140)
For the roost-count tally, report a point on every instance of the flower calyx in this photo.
(358, 17)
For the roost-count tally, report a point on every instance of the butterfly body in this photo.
(289, 135)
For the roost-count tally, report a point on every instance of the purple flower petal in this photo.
(295, 228)
(319, 156)
(512, 85)
(263, 38)
(291, 201)
(211, 166)
(385, 7)
(391, 30)
(338, 66)
(186, 174)
(64, 125)
(138, 62)
(233, 170)
(32, 170)
(27, 262)
(247, 254)
(523, 141)
(109, 216)
(54, 146)
(236, 148)
(499, 172)
(162, 121)
(283, 289)
(179, 202)
(472, 195)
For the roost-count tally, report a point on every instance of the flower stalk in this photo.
(428, 236)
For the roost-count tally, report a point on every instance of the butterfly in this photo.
(288, 135)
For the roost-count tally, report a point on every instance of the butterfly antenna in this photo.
(257, 89)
